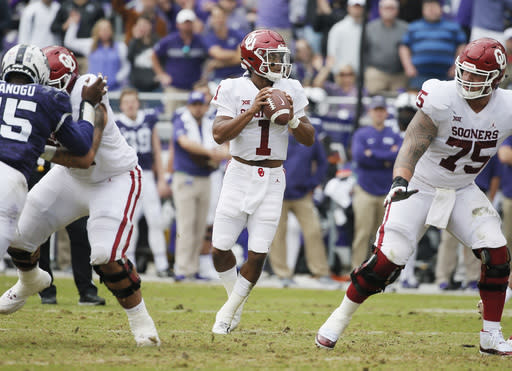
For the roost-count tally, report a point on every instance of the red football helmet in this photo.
(484, 57)
(265, 49)
(63, 67)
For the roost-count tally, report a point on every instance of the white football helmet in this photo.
(28, 60)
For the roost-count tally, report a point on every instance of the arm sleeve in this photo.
(76, 136)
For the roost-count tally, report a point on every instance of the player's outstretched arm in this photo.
(420, 133)
(66, 158)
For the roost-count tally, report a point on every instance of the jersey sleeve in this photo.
(223, 99)
(178, 128)
(432, 101)
(60, 108)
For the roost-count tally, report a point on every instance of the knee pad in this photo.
(24, 260)
(122, 283)
(495, 268)
(375, 274)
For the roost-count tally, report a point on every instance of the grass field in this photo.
(390, 332)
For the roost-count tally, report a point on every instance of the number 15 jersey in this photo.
(465, 140)
(260, 139)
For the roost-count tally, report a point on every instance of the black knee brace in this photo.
(495, 275)
(22, 259)
(375, 274)
(126, 272)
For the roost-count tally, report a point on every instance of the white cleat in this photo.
(221, 328)
(492, 343)
(236, 319)
(144, 331)
(16, 297)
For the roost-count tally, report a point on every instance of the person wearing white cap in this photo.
(349, 30)
(178, 60)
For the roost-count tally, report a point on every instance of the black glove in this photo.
(398, 191)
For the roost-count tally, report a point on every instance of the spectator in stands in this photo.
(140, 49)
(35, 24)
(506, 83)
(105, 55)
(139, 129)
(489, 182)
(306, 64)
(410, 10)
(463, 16)
(130, 16)
(374, 150)
(5, 21)
(90, 12)
(195, 157)
(488, 19)
(326, 15)
(237, 15)
(430, 45)
(384, 72)
(178, 60)
(274, 14)
(344, 86)
(349, 30)
(223, 46)
(305, 170)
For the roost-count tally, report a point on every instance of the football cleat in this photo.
(237, 318)
(324, 343)
(221, 328)
(492, 343)
(144, 330)
(16, 297)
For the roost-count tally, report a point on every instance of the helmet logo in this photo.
(250, 41)
(67, 62)
(500, 58)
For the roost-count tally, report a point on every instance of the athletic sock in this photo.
(228, 279)
(240, 292)
(339, 319)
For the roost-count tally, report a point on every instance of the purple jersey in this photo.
(138, 134)
(29, 114)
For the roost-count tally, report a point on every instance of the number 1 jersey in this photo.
(260, 139)
(465, 140)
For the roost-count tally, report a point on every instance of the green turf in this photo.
(389, 332)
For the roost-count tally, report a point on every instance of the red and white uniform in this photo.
(445, 174)
(252, 196)
(108, 192)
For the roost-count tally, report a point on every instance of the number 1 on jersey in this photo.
(263, 149)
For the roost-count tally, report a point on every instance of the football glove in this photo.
(398, 191)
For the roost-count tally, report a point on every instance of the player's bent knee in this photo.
(119, 277)
(495, 268)
(375, 274)
(24, 260)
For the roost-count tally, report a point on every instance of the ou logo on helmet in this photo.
(250, 41)
(67, 62)
(500, 58)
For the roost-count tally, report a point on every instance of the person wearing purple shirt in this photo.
(374, 150)
(223, 44)
(274, 14)
(505, 157)
(178, 59)
(306, 168)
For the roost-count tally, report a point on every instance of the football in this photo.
(278, 108)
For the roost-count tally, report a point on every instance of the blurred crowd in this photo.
(362, 63)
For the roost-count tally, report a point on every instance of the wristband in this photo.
(49, 152)
(294, 122)
(87, 112)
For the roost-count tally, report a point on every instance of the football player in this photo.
(139, 129)
(456, 130)
(29, 113)
(108, 192)
(254, 182)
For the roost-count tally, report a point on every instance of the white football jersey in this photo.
(114, 155)
(260, 139)
(465, 140)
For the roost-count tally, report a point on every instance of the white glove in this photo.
(398, 191)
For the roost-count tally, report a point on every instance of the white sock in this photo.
(136, 310)
(508, 294)
(29, 276)
(240, 292)
(228, 279)
(339, 319)
(491, 325)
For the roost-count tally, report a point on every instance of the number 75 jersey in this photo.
(465, 140)
(260, 139)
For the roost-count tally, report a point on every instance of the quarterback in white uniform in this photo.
(108, 192)
(254, 183)
(457, 129)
